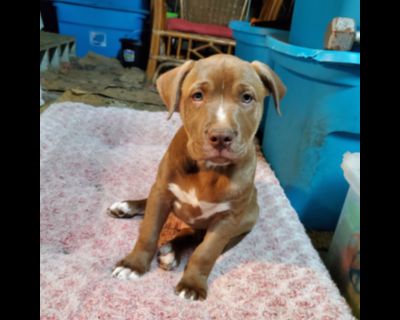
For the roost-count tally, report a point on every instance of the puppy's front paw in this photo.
(129, 268)
(191, 291)
(125, 273)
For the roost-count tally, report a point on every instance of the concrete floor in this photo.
(99, 81)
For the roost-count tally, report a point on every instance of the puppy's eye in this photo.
(247, 98)
(197, 96)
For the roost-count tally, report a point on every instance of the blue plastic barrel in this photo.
(311, 18)
(250, 46)
(99, 25)
(320, 122)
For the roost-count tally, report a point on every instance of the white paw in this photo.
(125, 273)
(166, 257)
(168, 261)
(121, 206)
(182, 295)
(120, 209)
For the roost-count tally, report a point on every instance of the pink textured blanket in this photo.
(91, 157)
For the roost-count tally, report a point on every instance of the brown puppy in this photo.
(206, 177)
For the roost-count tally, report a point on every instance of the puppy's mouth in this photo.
(221, 157)
(204, 152)
(219, 160)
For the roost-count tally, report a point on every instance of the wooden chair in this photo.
(202, 30)
(270, 10)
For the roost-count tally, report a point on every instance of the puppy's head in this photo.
(220, 100)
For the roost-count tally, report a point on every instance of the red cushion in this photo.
(183, 25)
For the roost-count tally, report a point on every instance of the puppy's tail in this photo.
(127, 209)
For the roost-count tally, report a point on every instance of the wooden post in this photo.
(158, 14)
(178, 51)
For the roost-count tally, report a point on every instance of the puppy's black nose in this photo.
(220, 138)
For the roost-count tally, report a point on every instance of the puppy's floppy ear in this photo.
(271, 81)
(169, 85)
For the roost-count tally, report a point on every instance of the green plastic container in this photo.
(343, 258)
(172, 15)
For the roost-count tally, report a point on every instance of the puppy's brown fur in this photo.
(197, 174)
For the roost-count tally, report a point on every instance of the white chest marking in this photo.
(183, 196)
(207, 208)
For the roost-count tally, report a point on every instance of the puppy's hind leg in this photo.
(169, 254)
(127, 209)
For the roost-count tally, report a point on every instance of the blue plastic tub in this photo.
(123, 5)
(311, 18)
(250, 46)
(320, 122)
(99, 25)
